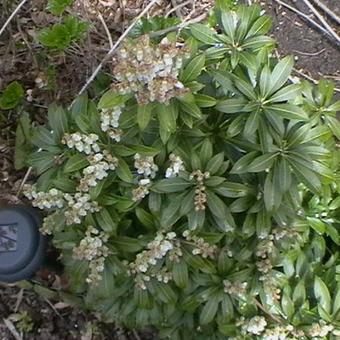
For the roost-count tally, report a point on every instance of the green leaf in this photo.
(269, 194)
(280, 74)
(307, 176)
(317, 225)
(206, 150)
(321, 293)
(288, 111)
(283, 175)
(126, 244)
(262, 163)
(123, 171)
(203, 100)
(22, 142)
(265, 81)
(145, 218)
(215, 163)
(232, 105)
(190, 107)
(299, 294)
(286, 93)
(245, 87)
(334, 125)
(287, 306)
(57, 119)
(216, 205)
(209, 310)
(204, 34)
(11, 96)
(241, 166)
(261, 26)
(167, 117)
(258, 42)
(232, 190)
(252, 124)
(193, 69)
(111, 99)
(169, 185)
(75, 163)
(56, 36)
(180, 274)
(105, 221)
(229, 24)
(57, 7)
(144, 114)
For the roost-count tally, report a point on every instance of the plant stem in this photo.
(322, 20)
(327, 11)
(12, 16)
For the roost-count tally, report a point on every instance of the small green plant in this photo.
(57, 7)
(23, 321)
(11, 96)
(200, 194)
(60, 36)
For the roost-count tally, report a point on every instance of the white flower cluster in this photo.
(100, 164)
(256, 325)
(79, 205)
(44, 200)
(320, 329)
(147, 168)
(201, 247)
(81, 142)
(200, 194)
(149, 71)
(110, 122)
(280, 333)
(264, 249)
(176, 165)
(236, 288)
(157, 249)
(92, 248)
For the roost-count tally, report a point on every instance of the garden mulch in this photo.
(23, 59)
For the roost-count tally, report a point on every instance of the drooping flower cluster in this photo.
(110, 122)
(149, 71)
(236, 288)
(320, 329)
(256, 325)
(81, 142)
(92, 248)
(176, 165)
(264, 249)
(52, 199)
(200, 199)
(147, 169)
(201, 247)
(100, 164)
(79, 205)
(157, 249)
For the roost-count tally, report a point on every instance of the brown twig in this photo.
(176, 8)
(329, 12)
(178, 27)
(109, 37)
(322, 20)
(309, 53)
(12, 16)
(276, 319)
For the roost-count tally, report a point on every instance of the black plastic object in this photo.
(22, 247)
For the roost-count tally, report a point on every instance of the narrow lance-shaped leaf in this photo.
(281, 73)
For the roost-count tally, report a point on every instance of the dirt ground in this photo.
(21, 58)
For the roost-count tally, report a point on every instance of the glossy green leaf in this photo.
(193, 69)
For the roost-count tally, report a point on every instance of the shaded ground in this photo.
(23, 59)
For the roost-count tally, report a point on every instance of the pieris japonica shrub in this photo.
(199, 194)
